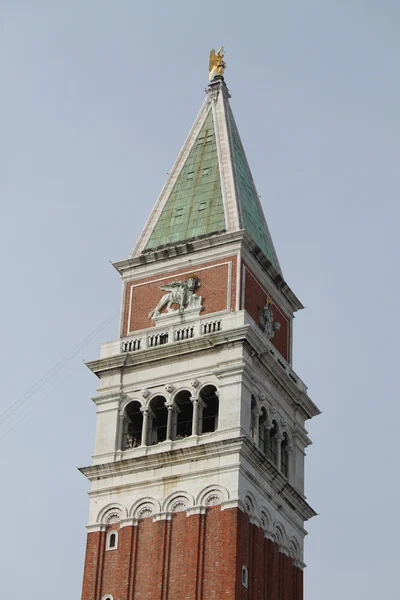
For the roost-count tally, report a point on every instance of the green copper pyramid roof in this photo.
(194, 207)
(210, 188)
(251, 213)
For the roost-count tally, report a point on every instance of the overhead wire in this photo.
(4, 416)
(34, 407)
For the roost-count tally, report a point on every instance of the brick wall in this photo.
(190, 558)
(143, 295)
(254, 300)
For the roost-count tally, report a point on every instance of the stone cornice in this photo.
(166, 351)
(239, 335)
(156, 461)
(280, 283)
(240, 446)
(177, 250)
(278, 482)
(213, 241)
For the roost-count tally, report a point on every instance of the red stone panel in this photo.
(143, 295)
(255, 297)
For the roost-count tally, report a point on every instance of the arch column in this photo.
(195, 418)
(121, 431)
(278, 441)
(267, 439)
(170, 416)
(255, 415)
(290, 470)
(145, 426)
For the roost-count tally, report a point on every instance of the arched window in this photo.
(285, 455)
(271, 446)
(262, 437)
(184, 415)
(209, 418)
(159, 420)
(107, 597)
(245, 577)
(112, 540)
(253, 417)
(133, 423)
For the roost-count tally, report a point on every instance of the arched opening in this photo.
(253, 418)
(184, 415)
(133, 423)
(262, 437)
(209, 417)
(245, 577)
(285, 455)
(112, 540)
(159, 420)
(271, 448)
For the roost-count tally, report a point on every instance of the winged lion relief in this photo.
(180, 294)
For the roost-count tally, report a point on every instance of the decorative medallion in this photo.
(179, 505)
(213, 500)
(112, 517)
(145, 511)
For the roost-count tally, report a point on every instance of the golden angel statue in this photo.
(216, 64)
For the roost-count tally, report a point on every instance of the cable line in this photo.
(55, 369)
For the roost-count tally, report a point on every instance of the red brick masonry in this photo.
(190, 558)
(213, 276)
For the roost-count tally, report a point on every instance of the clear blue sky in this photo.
(97, 98)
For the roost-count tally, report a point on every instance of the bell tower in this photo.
(197, 481)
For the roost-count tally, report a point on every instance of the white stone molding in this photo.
(280, 537)
(249, 503)
(107, 597)
(111, 513)
(109, 534)
(205, 384)
(146, 393)
(294, 549)
(195, 383)
(156, 394)
(266, 521)
(127, 400)
(178, 390)
(295, 553)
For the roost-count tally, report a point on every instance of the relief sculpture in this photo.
(266, 320)
(181, 294)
